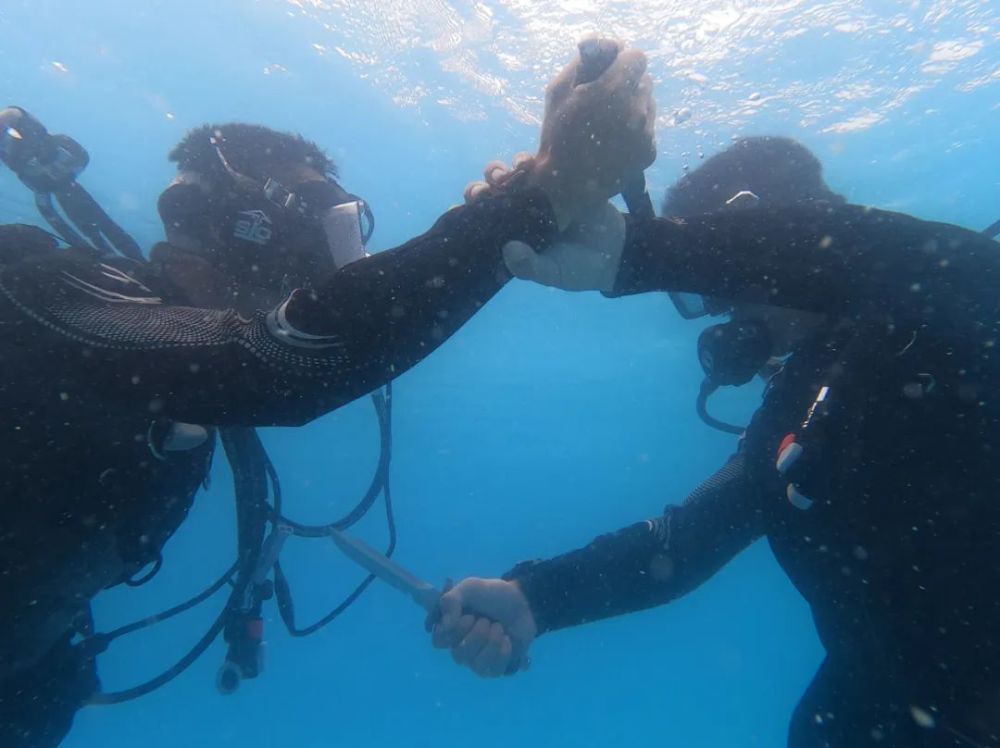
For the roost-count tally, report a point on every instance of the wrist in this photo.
(530, 627)
(533, 586)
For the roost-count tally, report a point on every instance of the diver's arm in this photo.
(846, 261)
(111, 340)
(648, 563)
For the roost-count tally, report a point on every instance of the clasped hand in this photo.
(594, 135)
(487, 624)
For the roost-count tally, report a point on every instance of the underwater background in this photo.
(551, 417)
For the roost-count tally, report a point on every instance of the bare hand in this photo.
(496, 173)
(595, 133)
(586, 257)
(487, 624)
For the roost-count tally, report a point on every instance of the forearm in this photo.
(388, 312)
(648, 563)
(319, 350)
(616, 573)
(420, 293)
(836, 260)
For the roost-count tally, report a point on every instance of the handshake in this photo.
(487, 624)
(598, 133)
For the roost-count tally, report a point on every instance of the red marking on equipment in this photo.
(788, 454)
(789, 439)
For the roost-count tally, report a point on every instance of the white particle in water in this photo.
(922, 717)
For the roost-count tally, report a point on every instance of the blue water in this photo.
(550, 417)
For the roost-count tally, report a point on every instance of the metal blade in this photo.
(424, 593)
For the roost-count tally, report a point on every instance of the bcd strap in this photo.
(829, 424)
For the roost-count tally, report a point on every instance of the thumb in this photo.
(442, 622)
(451, 604)
(520, 259)
(560, 87)
(525, 263)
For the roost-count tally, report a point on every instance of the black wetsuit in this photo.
(101, 358)
(899, 554)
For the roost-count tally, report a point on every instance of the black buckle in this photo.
(278, 194)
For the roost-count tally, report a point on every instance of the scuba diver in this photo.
(870, 467)
(261, 309)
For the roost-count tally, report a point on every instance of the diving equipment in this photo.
(269, 215)
(49, 166)
(730, 354)
(695, 306)
(424, 594)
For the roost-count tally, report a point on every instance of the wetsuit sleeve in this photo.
(648, 563)
(844, 261)
(109, 339)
